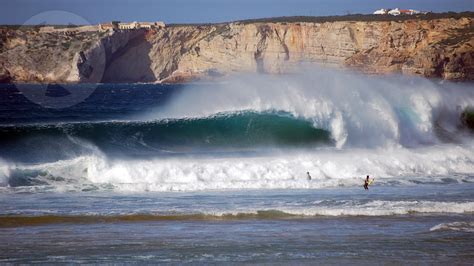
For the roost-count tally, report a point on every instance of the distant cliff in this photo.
(437, 46)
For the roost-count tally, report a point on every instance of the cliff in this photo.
(440, 47)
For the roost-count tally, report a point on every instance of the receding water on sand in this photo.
(399, 224)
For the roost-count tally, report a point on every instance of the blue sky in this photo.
(201, 11)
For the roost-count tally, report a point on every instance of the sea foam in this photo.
(279, 170)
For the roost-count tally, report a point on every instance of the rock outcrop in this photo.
(438, 47)
(4, 75)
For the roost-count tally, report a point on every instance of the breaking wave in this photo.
(221, 131)
(336, 125)
(358, 111)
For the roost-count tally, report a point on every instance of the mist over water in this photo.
(358, 110)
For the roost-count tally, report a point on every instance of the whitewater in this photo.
(257, 132)
(328, 168)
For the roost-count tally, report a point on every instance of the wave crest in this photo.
(358, 111)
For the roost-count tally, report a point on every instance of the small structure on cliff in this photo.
(141, 25)
(152, 25)
(128, 26)
(109, 26)
(410, 12)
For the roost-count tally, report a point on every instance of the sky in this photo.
(206, 11)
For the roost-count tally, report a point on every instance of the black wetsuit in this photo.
(366, 184)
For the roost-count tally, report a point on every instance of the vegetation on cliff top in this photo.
(360, 17)
(351, 17)
(293, 19)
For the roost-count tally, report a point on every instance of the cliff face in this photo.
(27, 55)
(437, 48)
(434, 48)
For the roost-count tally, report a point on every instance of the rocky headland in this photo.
(431, 45)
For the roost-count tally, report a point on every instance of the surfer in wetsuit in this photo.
(308, 176)
(366, 183)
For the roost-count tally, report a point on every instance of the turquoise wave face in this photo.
(242, 130)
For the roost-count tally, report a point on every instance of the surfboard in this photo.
(371, 181)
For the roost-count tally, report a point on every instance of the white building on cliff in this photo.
(382, 11)
(116, 25)
(141, 25)
(396, 12)
(128, 26)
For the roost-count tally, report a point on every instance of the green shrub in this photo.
(467, 117)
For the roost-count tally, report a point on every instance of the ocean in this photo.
(213, 172)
